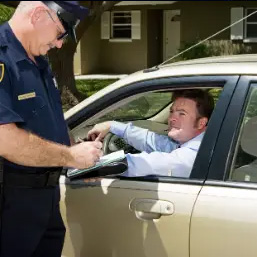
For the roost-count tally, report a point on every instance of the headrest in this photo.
(249, 137)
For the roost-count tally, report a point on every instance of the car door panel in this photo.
(224, 220)
(224, 223)
(101, 222)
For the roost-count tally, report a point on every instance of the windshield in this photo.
(143, 107)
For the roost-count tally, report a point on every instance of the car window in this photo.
(244, 165)
(143, 107)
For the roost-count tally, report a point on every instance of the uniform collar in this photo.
(42, 62)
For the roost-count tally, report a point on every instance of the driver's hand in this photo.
(99, 131)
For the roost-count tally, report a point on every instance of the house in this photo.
(138, 35)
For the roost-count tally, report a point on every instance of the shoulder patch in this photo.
(1, 71)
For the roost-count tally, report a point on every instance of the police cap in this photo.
(70, 13)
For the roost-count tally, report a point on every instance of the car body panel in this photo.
(224, 223)
(224, 217)
(104, 225)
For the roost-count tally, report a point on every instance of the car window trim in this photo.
(206, 150)
(200, 169)
(231, 184)
(140, 87)
(153, 179)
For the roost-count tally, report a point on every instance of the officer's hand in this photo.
(86, 154)
(99, 131)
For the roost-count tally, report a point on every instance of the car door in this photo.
(224, 220)
(147, 216)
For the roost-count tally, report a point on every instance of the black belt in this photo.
(50, 178)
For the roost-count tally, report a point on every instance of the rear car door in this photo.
(224, 220)
(147, 216)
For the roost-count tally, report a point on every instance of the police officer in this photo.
(33, 134)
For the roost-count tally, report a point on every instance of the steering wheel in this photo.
(113, 143)
(109, 144)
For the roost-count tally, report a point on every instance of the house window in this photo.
(246, 29)
(121, 25)
(251, 24)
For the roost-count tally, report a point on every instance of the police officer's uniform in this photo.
(31, 221)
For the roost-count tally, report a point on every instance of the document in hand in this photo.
(111, 164)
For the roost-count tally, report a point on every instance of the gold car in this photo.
(211, 214)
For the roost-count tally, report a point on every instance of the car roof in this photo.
(220, 59)
(222, 65)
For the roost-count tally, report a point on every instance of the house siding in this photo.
(125, 57)
(86, 58)
(77, 60)
(199, 19)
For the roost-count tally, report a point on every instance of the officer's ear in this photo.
(37, 15)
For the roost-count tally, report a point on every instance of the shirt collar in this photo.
(195, 142)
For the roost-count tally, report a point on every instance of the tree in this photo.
(62, 59)
(5, 13)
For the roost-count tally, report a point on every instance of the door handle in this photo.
(149, 209)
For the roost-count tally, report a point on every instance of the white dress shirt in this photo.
(159, 155)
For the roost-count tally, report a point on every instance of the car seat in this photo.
(248, 144)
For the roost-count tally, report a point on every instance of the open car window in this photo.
(149, 110)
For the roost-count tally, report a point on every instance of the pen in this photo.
(80, 139)
(98, 138)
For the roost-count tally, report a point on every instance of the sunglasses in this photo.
(61, 35)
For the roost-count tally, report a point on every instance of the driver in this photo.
(171, 155)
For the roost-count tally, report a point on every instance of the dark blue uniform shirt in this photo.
(28, 96)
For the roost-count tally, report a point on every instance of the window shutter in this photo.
(105, 25)
(136, 24)
(237, 31)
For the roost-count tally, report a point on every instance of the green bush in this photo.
(91, 86)
(212, 48)
(199, 51)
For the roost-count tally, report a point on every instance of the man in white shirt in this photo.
(171, 155)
